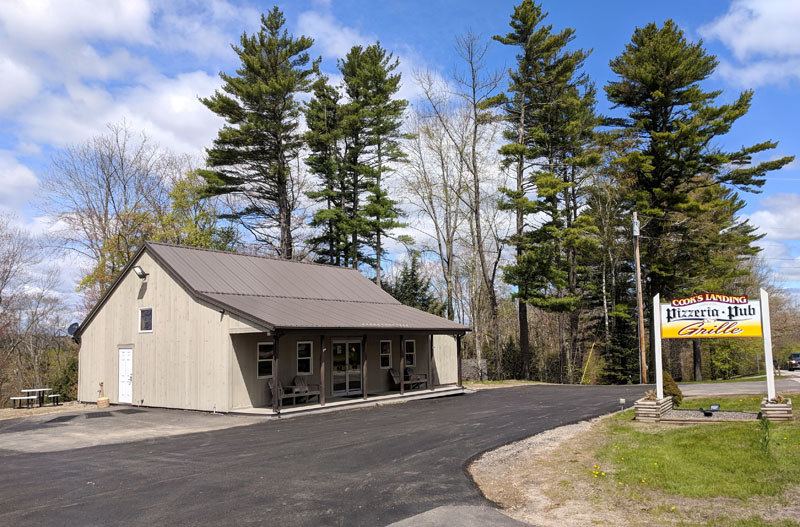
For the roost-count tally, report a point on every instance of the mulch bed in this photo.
(696, 416)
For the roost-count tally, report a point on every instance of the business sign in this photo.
(711, 315)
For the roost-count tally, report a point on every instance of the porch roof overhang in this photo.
(309, 313)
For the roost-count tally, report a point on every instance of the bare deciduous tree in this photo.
(476, 93)
(102, 197)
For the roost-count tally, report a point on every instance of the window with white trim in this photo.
(265, 354)
(145, 320)
(411, 354)
(305, 355)
(386, 354)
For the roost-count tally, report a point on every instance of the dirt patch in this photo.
(72, 406)
(547, 480)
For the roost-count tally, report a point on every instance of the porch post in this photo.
(402, 364)
(322, 370)
(458, 358)
(364, 366)
(276, 398)
(430, 361)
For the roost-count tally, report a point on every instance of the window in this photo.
(386, 354)
(265, 354)
(146, 320)
(304, 355)
(411, 353)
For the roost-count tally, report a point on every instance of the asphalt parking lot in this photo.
(372, 466)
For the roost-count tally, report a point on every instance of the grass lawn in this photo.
(621, 472)
(716, 462)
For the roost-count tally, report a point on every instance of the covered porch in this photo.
(300, 371)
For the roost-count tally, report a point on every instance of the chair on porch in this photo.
(417, 378)
(406, 382)
(302, 388)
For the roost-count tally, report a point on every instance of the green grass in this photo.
(733, 404)
(703, 461)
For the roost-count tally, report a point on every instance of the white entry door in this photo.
(125, 376)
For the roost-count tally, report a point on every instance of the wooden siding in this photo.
(183, 363)
(445, 362)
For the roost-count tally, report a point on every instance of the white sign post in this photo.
(767, 329)
(657, 333)
(713, 316)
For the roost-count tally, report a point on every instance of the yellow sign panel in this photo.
(711, 315)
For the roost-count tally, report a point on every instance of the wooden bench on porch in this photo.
(300, 388)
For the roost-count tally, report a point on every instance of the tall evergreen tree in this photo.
(371, 122)
(551, 121)
(252, 154)
(678, 161)
(412, 288)
(324, 138)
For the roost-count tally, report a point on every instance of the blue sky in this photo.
(71, 67)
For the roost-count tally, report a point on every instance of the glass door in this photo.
(346, 366)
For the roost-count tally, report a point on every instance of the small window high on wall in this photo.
(146, 320)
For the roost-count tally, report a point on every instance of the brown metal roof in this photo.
(286, 294)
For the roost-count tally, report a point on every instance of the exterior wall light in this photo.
(139, 272)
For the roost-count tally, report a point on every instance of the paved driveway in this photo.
(370, 467)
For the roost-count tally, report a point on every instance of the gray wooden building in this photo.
(207, 330)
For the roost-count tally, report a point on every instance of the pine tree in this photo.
(252, 154)
(371, 126)
(677, 161)
(413, 289)
(324, 138)
(551, 121)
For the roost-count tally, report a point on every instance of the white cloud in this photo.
(778, 216)
(331, 38)
(41, 24)
(762, 36)
(202, 28)
(17, 182)
(19, 83)
(166, 108)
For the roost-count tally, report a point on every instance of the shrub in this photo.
(671, 388)
(65, 381)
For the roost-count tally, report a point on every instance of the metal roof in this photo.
(287, 294)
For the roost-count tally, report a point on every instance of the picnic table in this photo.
(39, 393)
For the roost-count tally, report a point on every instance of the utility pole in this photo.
(639, 302)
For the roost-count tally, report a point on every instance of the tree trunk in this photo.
(697, 355)
(524, 341)
(378, 222)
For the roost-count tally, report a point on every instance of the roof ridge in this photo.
(262, 256)
(396, 302)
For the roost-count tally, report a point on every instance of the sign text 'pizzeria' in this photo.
(711, 315)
